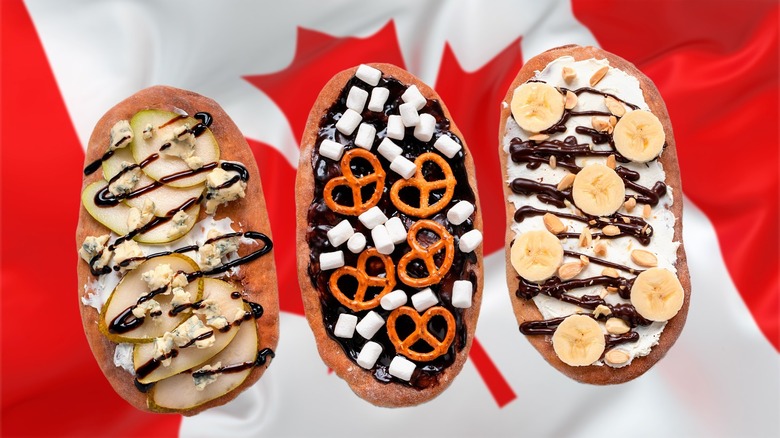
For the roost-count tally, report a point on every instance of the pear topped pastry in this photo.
(177, 290)
(595, 264)
(389, 235)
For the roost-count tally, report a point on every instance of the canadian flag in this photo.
(716, 64)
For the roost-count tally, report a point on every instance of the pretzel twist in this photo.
(404, 346)
(427, 254)
(425, 187)
(364, 281)
(356, 184)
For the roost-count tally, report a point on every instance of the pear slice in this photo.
(180, 393)
(113, 165)
(132, 287)
(165, 198)
(192, 356)
(206, 147)
(115, 218)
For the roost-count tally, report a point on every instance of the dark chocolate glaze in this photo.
(321, 219)
(625, 338)
(635, 227)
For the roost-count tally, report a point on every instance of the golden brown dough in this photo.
(360, 380)
(257, 278)
(526, 310)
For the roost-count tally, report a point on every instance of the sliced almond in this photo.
(644, 258)
(616, 357)
(585, 237)
(614, 106)
(600, 124)
(567, 271)
(613, 121)
(646, 211)
(566, 181)
(600, 249)
(568, 74)
(553, 162)
(626, 220)
(611, 163)
(610, 272)
(539, 137)
(610, 230)
(612, 290)
(571, 100)
(616, 326)
(585, 260)
(630, 204)
(599, 75)
(601, 310)
(553, 224)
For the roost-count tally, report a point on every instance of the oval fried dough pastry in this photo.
(389, 236)
(596, 268)
(177, 283)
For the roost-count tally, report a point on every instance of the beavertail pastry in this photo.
(177, 283)
(595, 263)
(389, 235)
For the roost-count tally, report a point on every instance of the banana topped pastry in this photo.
(595, 264)
(389, 235)
(177, 281)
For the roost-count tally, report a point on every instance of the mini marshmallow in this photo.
(402, 368)
(460, 212)
(369, 325)
(340, 233)
(388, 149)
(470, 241)
(462, 291)
(356, 243)
(368, 74)
(331, 149)
(382, 241)
(345, 326)
(369, 354)
(331, 260)
(356, 99)
(365, 136)
(372, 218)
(424, 130)
(395, 128)
(403, 167)
(348, 122)
(393, 300)
(413, 95)
(447, 146)
(378, 98)
(409, 114)
(395, 227)
(424, 299)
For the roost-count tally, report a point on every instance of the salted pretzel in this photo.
(425, 187)
(356, 184)
(404, 346)
(427, 253)
(364, 281)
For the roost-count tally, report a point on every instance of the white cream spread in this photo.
(662, 220)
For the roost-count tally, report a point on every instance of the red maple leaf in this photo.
(318, 57)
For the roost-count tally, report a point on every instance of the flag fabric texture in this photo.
(715, 63)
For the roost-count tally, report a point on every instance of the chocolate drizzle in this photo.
(260, 360)
(635, 227)
(322, 219)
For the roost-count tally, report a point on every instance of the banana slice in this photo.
(639, 136)
(536, 255)
(536, 106)
(579, 341)
(598, 190)
(657, 294)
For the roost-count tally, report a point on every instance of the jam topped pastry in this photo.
(178, 294)
(389, 235)
(596, 267)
